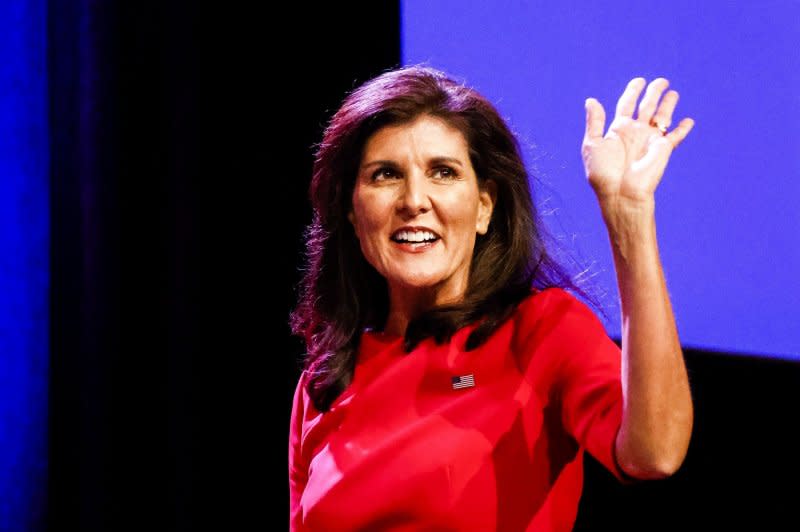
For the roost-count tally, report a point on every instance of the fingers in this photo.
(653, 110)
(663, 116)
(627, 102)
(595, 119)
(677, 135)
(647, 107)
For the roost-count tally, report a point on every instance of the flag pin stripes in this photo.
(463, 381)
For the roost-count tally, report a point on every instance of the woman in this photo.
(452, 381)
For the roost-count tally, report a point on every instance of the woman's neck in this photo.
(406, 304)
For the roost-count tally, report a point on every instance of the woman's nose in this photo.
(415, 198)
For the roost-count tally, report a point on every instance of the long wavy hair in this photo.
(342, 294)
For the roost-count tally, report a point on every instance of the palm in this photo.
(628, 161)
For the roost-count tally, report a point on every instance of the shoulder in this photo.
(301, 399)
(299, 385)
(555, 316)
(553, 304)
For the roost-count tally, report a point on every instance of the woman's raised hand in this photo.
(625, 164)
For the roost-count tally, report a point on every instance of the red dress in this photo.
(446, 439)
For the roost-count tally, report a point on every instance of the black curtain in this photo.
(181, 154)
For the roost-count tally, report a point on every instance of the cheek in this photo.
(466, 215)
(366, 219)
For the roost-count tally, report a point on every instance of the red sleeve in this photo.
(589, 381)
(298, 471)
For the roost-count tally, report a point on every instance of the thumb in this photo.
(595, 119)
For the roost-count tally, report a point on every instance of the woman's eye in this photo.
(445, 172)
(384, 173)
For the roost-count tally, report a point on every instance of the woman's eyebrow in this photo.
(380, 162)
(444, 159)
(432, 161)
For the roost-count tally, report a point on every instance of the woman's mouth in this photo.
(414, 239)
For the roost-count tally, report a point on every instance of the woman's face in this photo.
(417, 207)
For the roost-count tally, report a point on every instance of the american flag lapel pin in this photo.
(463, 381)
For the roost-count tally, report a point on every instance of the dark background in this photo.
(182, 141)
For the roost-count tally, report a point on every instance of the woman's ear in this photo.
(352, 217)
(487, 197)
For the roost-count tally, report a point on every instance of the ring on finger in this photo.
(662, 128)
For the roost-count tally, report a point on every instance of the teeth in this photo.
(415, 236)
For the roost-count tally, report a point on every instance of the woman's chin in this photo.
(420, 283)
(417, 282)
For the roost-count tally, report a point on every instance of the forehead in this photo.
(426, 135)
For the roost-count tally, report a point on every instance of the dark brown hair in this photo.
(342, 294)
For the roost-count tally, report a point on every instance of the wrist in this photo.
(631, 228)
(616, 206)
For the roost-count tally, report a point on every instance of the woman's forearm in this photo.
(657, 412)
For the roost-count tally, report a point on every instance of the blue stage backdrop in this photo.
(727, 215)
(24, 268)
